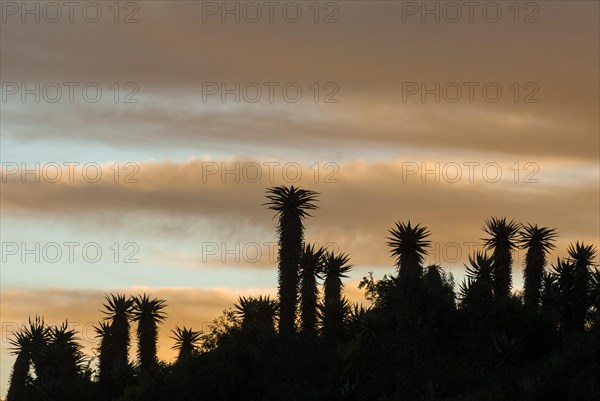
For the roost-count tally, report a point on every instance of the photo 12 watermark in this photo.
(469, 172)
(269, 172)
(454, 12)
(71, 12)
(469, 91)
(253, 12)
(270, 92)
(454, 252)
(247, 252)
(70, 172)
(69, 252)
(86, 331)
(68, 92)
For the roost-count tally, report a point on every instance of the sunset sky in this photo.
(392, 123)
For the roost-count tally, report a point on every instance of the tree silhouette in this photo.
(335, 307)
(413, 342)
(564, 271)
(409, 246)
(257, 313)
(148, 313)
(118, 310)
(595, 298)
(27, 342)
(56, 356)
(582, 256)
(551, 298)
(115, 340)
(437, 293)
(106, 364)
(21, 344)
(40, 336)
(65, 352)
(291, 205)
(502, 241)
(61, 359)
(595, 318)
(477, 296)
(538, 241)
(311, 263)
(186, 343)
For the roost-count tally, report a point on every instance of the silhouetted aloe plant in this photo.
(538, 241)
(27, 342)
(595, 298)
(118, 311)
(502, 237)
(148, 313)
(257, 313)
(311, 264)
(582, 256)
(335, 307)
(409, 247)
(413, 340)
(478, 300)
(564, 271)
(115, 340)
(186, 343)
(291, 205)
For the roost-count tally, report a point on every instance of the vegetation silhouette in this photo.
(421, 338)
(291, 205)
(186, 344)
(501, 240)
(538, 241)
(311, 265)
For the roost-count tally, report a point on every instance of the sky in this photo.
(137, 142)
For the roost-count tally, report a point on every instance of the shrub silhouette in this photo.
(421, 338)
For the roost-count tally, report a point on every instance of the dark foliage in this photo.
(292, 205)
(538, 241)
(417, 340)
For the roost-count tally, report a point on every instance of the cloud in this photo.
(559, 57)
(359, 200)
(372, 123)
